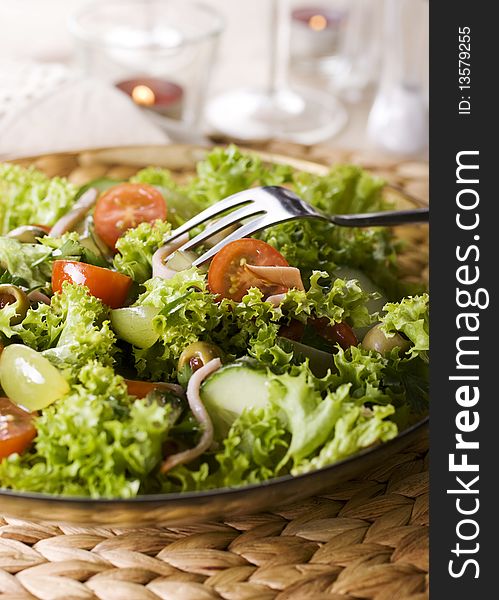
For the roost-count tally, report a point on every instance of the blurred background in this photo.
(81, 73)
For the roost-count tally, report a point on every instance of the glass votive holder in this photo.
(158, 53)
(337, 41)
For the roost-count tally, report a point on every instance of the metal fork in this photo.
(271, 205)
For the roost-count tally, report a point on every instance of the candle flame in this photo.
(143, 95)
(317, 22)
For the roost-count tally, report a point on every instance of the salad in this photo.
(124, 370)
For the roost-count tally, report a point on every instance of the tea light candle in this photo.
(161, 96)
(315, 31)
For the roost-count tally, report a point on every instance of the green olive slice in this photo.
(12, 294)
(376, 339)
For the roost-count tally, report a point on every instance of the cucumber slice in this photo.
(229, 391)
(134, 325)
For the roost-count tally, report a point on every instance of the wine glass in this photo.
(277, 111)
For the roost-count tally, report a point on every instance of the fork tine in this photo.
(250, 210)
(247, 229)
(233, 201)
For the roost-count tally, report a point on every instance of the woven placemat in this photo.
(366, 538)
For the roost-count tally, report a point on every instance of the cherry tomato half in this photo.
(125, 206)
(140, 389)
(16, 428)
(228, 277)
(339, 333)
(294, 330)
(111, 287)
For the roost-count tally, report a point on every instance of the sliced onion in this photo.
(76, 214)
(289, 277)
(276, 299)
(201, 415)
(27, 233)
(38, 296)
(159, 268)
(174, 388)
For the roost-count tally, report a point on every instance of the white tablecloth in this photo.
(48, 108)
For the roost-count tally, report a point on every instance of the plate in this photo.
(175, 509)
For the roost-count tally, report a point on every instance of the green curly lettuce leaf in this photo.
(364, 371)
(189, 312)
(28, 263)
(410, 316)
(72, 330)
(338, 300)
(308, 423)
(257, 322)
(253, 449)
(357, 428)
(96, 441)
(31, 264)
(225, 171)
(29, 197)
(70, 246)
(318, 245)
(7, 313)
(136, 248)
(309, 417)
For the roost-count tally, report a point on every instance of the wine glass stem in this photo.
(402, 50)
(279, 45)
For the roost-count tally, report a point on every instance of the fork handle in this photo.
(382, 219)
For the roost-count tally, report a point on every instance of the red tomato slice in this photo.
(339, 333)
(294, 330)
(140, 389)
(111, 287)
(125, 206)
(228, 277)
(16, 428)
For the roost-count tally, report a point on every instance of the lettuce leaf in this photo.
(31, 264)
(253, 449)
(7, 312)
(357, 428)
(410, 316)
(27, 262)
(309, 417)
(70, 246)
(27, 196)
(72, 331)
(308, 423)
(136, 248)
(364, 371)
(225, 171)
(338, 300)
(96, 441)
(189, 312)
